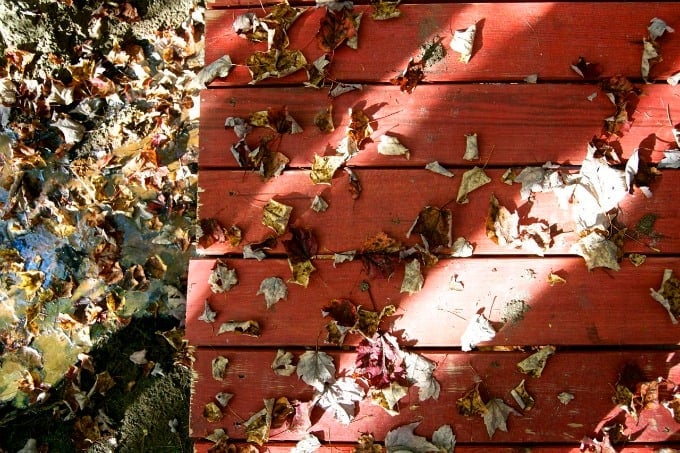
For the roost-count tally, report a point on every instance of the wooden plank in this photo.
(589, 379)
(515, 124)
(592, 308)
(391, 200)
(514, 40)
(285, 447)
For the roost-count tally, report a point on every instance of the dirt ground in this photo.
(98, 143)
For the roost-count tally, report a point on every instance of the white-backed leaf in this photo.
(478, 330)
(419, 371)
(403, 439)
(316, 368)
(496, 416)
(274, 289)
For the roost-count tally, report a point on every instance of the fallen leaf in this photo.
(222, 278)
(212, 412)
(669, 294)
(413, 278)
(316, 368)
(432, 52)
(354, 184)
(319, 204)
(380, 255)
(522, 397)
(344, 257)
(300, 421)
(472, 179)
(219, 68)
(258, 425)
(403, 439)
(276, 63)
(219, 367)
(496, 416)
(275, 215)
(301, 272)
(324, 167)
(657, 28)
(366, 444)
(281, 412)
(462, 248)
(587, 70)
(139, 357)
(283, 363)
(337, 27)
(410, 77)
(274, 289)
(597, 251)
(384, 10)
(342, 88)
(72, 130)
(208, 314)
(637, 259)
(436, 167)
(279, 120)
(434, 226)
(308, 444)
(502, 226)
(534, 364)
(463, 42)
(390, 146)
(554, 279)
(324, 120)
(341, 398)
(419, 371)
(316, 76)
(379, 360)
(300, 249)
(250, 328)
(388, 397)
(471, 148)
(471, 403)
(478, 330)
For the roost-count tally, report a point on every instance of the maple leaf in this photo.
(250, 328)
(496, 416)
(471, 403)
(413, 278)
(222, 278)
(388, 397)
(336, 27)
(340, 397)
(379, 360)
(274, 289)
(380, 255)
(302, 246)
(463, 42)
(403, 438)
(316, 368)
(283, 363)
(419, 371)
(410, 77)
(534, 364)
(434, 226)
(472, 179)
(342, 311)
(478, 330)
(278, 120)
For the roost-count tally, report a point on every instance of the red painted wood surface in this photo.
(516, 40)
(589, 378)
(515, 124)
(237, 198)
(600, 320)
(593, 308)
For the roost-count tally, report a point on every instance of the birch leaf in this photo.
(471, 148)
(316, 368)
(324, 167)
(496, 416)
(472, 179)
(477, 331)
(390, 146)
(436, 167)
(219, 367)
(404, 439)
(250, 328)
(208, 315)
(444, 438)
(534, 364)
(463, 41)
(283, 363)
(341, 397)
(276, 215)
(419, 371)
(597, 251)
(413, 278)
(222, 278)
(274, 289)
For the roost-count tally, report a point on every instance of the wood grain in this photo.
(514, 41)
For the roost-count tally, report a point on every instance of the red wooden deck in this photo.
(607, 329)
